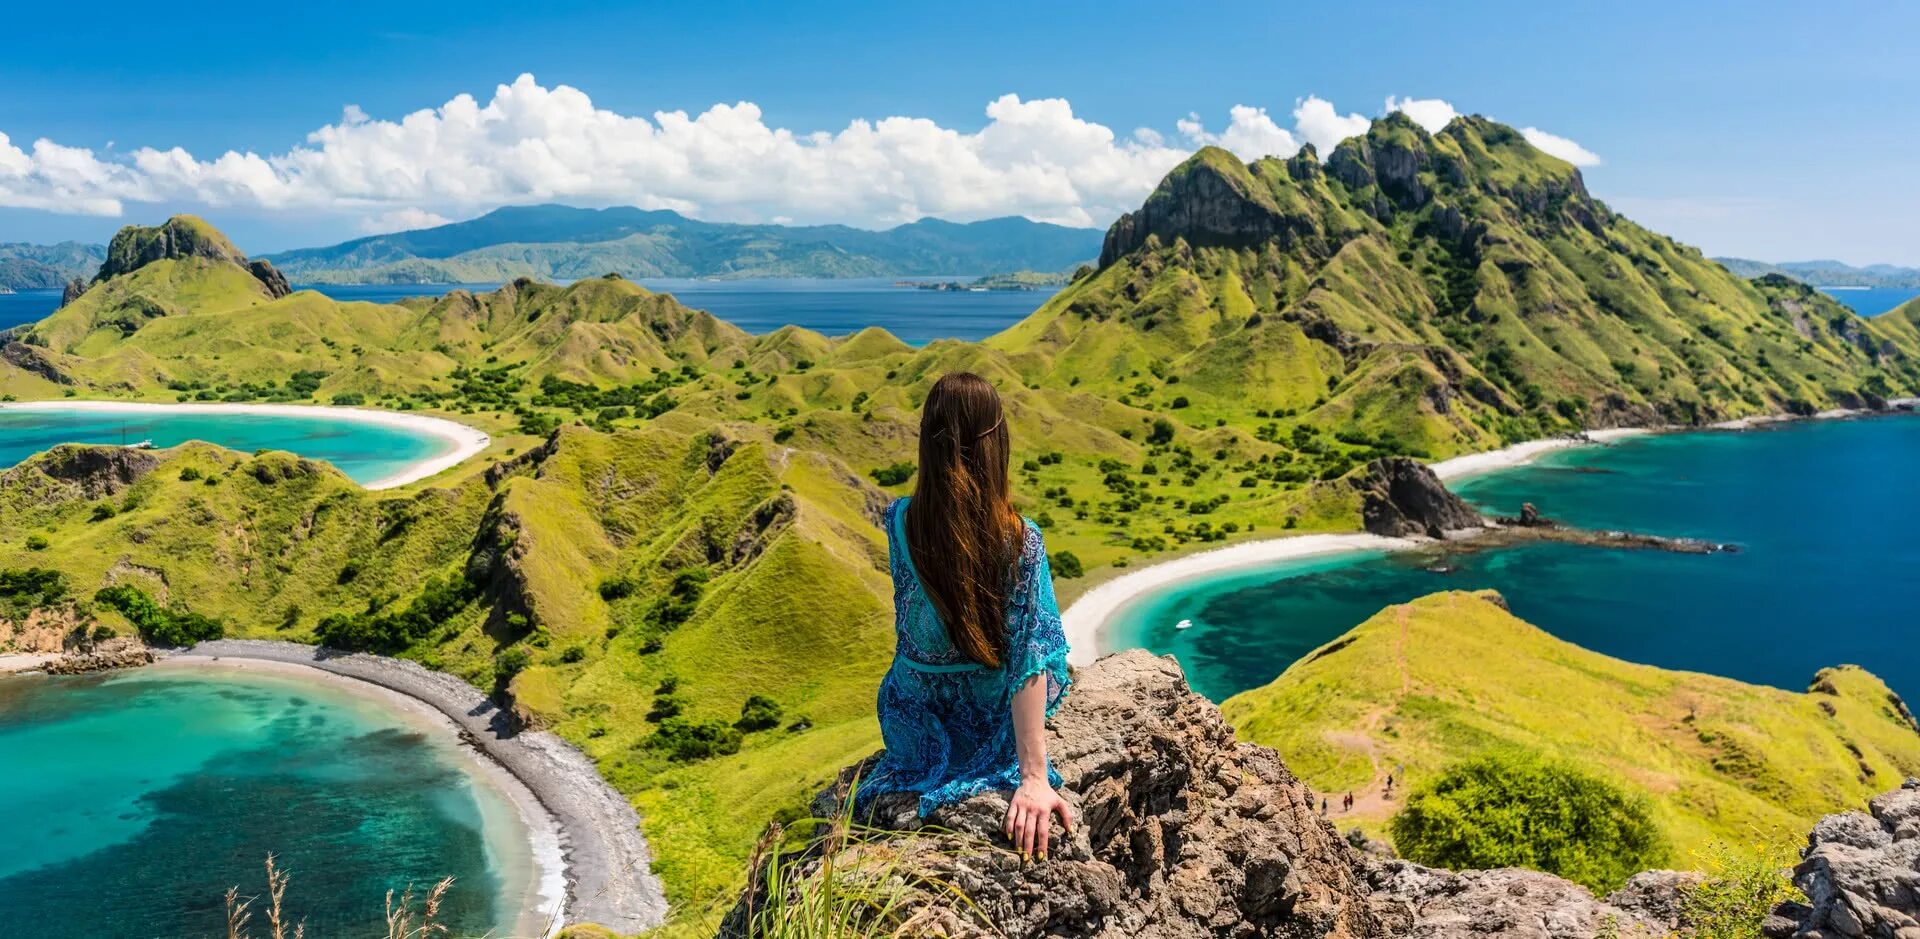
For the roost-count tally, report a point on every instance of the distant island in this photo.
(1017, 280)
(1829, 273)
(44, 267)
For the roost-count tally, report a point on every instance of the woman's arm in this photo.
(1031, 810)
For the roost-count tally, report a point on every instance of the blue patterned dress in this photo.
(947, 721)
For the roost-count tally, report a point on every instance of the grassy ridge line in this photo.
(1448, 676)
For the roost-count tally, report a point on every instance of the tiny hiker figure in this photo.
(980, 659)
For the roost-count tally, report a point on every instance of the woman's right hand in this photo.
(1030, 817)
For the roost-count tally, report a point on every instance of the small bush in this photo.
(683, 740)
(37, 542)
(102, 512)
(1740, 889)
(159, 625)
(759, 713)
(893, 475)
(1066, 564)
(189, 474)
(510, 663)
(1512, 809)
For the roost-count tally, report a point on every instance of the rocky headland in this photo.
(1183, 830)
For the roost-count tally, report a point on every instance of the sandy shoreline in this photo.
(608, 877)
(1520, 454)
(463, 441)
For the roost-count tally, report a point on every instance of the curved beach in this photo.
(461, 440)
(1088, 617)
(604, 870)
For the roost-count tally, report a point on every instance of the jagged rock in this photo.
(86, 471)
(73, 290)
(100, 661)
(1212, 199)
(1860, 873)
(1417, 902)
(273, 280)
(1402, 497)
(1184, 831)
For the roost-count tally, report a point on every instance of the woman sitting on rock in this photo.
(980, 660)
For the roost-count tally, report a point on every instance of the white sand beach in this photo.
(1084, 620)
(1088, 617)
(1521, 454)
(462, 441)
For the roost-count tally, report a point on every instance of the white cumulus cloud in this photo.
(532, 143)
(1432, 114)
(1556, 145)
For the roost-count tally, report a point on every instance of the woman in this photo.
(980, 661)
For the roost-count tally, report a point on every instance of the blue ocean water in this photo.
(835, 307)
(135, 800)
(1872, 301)
(1825, 514)
(364, 451)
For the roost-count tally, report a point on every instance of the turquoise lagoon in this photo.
(1826, 516)
(365, 451)
(136, 799)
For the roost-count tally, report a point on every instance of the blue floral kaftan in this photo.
(948, 721)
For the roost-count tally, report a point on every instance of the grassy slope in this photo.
(1446, 676)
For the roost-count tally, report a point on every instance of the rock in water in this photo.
(1860, 873)
(1401, 497)
(1183, 830)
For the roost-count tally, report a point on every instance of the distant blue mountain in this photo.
(1828, 273)
(565, 243)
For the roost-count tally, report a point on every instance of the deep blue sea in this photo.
(1826, 513)
(135, 799)
(1872, 301)
(364, 451)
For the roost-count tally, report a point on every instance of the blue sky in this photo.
(1779, 131)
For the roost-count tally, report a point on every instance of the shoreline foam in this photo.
(463, 441)
(608, 874)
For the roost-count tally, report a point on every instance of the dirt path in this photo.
(1371, 800)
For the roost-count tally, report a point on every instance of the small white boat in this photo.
(1184, 624)
(140, 445)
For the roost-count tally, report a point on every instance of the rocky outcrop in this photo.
(126, 656)
(1186, 831)
(73, 290)
(275, 282)
(31, 358)
(180, 237)
(1212, 199)
(1401, 497)
(1860, 874)
(79, 471)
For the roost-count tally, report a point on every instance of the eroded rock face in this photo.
(181, 237)
(1184, 831)
(1401, 497)
(270, 278)
(1860, 873)
(78, 471)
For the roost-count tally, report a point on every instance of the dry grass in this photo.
(408, 916)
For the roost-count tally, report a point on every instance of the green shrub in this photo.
(759, 713)
(37, 542)
(1067, 564)
(439, 600)
(1513, 809)
(684, 740)
(102, 512)
(510, 663)
(157, 624)
(189, 474)
(893, 475)
(1740, 889)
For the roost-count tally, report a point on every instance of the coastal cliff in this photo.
(1185, 830)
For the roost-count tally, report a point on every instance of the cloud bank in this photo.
(530, 143)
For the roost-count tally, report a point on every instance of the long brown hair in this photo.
(961, 527)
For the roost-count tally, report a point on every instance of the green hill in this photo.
(1449, 676)
(564, 243)
(674, 511)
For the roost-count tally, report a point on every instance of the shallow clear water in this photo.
(364, 451)
(135, 800)
(1826, 514)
